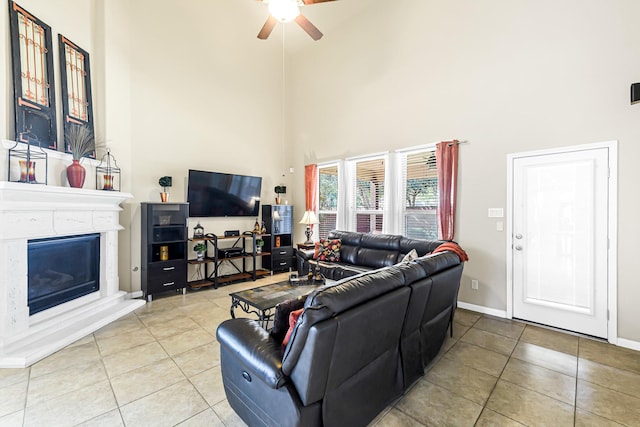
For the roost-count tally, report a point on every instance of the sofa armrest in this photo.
(254, 348)
(302, 259)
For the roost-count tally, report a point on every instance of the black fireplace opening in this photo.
(62, 269)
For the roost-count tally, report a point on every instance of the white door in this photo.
(559, 239)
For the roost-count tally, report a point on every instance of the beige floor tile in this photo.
(587, 419)
(228, 416)
(550, 383)
(66, 357)
(143, 381)
(465, 317)
(108, 419)
(118, 343)
(395, 418)
(607, 354)
(625, 381)
(608, 403)
(199, 359)
(154, 410)
(72, 408)
(504, 327)
(555, 340)
(206, 418)
(186, 341)
(12, 376)
(12, 398)
(490, 341)
(133, 358)
(64, 381)
(529, 407)
(478, 358)
(546, 358)
(82, 341)
(176, 326)
(490, 418)
(209, 384)
(433, 405)
(14, 419)
(121, 326)
(462, 380)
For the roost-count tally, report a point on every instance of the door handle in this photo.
(169, 268)
(518, 248)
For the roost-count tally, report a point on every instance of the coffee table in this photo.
(263, 299)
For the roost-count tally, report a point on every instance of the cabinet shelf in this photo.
(163, 248)
(212, 264)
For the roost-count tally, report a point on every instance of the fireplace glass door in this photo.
(62, 269)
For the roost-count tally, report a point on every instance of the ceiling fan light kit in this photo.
(287, 11)
(284, 10)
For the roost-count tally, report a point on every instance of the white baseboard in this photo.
(621, 342)
(483, 309)
(136, 294)
(633, 345)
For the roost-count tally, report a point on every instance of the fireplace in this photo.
(45, 302)
(62, 269)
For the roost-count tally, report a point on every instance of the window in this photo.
(367, 187)
(328, 199)
(421, 195)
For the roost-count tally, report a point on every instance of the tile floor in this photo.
(159, 366)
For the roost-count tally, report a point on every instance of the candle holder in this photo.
(108, 173)
(25, 159)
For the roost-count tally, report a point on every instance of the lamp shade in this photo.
(309, 217)
(635, 93)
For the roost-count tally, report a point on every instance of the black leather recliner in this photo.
(361, 252)
(358, 345)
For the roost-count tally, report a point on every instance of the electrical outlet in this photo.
(474, 284)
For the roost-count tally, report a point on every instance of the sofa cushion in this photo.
(281, 316)
(293, 318)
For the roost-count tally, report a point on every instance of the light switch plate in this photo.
(496, 213)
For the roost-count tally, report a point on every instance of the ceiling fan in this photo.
(287, 11)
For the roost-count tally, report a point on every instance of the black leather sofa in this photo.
(358, 345)
(362, 252)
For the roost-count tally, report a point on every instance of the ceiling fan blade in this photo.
(311, 29)
(267, 28)
(315, 1)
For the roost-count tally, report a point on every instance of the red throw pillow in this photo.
(328, 250)
(293, 318)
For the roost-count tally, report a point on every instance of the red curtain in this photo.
(447, 164)
(311, 187)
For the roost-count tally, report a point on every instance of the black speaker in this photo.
(635, 93)
(231, 233)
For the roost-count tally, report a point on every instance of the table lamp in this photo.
(308, 219)
(276, 222)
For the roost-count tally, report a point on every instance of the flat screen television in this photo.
(214, 194)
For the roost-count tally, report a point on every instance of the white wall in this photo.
(506, 77)
(177, 85)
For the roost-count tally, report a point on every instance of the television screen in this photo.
(212, 194)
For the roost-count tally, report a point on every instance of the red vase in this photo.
(76, 174)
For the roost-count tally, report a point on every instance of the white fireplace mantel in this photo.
(33, 211)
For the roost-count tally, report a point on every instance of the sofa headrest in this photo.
(433, 263)
(421, 246)
(335, 298)
(387, 242)
(349, 238)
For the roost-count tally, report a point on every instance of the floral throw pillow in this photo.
(328, 250)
